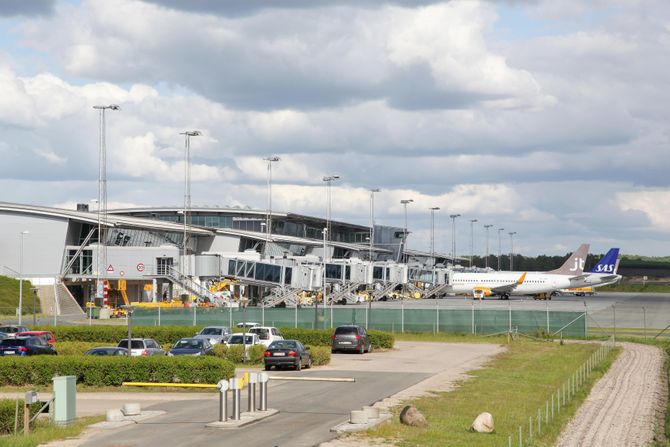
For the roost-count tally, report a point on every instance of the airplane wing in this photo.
(507, 288)
(579, 277)
(608, 278)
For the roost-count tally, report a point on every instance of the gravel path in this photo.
(626, 406)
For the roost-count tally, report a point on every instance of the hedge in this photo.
(111, 335)
(320, 355)
(322, 337)
(112, 371)
(168, 335)
(7, 413)
(76, 347)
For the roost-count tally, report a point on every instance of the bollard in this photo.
(263, 381)
(251, 392)
(235, 388)
(223, 400)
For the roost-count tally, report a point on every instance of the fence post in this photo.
(159, 314)
(546, 414)
(472, 325)
(530, 428)
(644, 313)
(402, 317)
(539, 421)
(552, 406)
(509, 306)
(195, 317)
(437, 315)
(546, 301)
(520, 437)
(614, 319)
(586, 321)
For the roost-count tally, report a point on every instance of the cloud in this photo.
(313, 60)
(26, 8)
(655, 204)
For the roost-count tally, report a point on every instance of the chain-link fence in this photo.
(469, 321)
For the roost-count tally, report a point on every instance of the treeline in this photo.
(543, 262)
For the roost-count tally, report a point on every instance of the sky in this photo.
(548, 119)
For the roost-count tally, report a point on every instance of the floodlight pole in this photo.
(487, 244)
(405, 202)
(268, 217)
(329, 180)
(453, 237)
(511, 254)
(432, 239)
(472, 239)
(372, 219)
(187, 193)
(499, 246)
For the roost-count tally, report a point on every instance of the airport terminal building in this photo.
(153, 254)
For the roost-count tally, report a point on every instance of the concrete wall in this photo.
(135, 262)
(42, 247)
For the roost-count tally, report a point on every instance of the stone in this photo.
(132, 409)
(114, 416)
(358, 417)
(483, 423)
(412, 417)
(371, 412)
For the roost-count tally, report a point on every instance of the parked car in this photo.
(351, 338)
(287, 353)
(142, 347)
(266, 334)
(247, 324)
(246, 339)
(26, 345)
(214, 334)
(13, 329)
(107, 350)
(3, 335)
(49, 336)
(191, 346)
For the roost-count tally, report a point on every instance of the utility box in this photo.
(65, 400)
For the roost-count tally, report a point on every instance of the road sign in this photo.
(110, 269)
(140, 267)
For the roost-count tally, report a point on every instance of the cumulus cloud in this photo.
(26, 8)
(654, 204)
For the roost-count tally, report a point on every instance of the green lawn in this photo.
(9, 297)
(512, 387)
(44, 432)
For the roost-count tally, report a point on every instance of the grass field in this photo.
(647, 288)
(9, 296)
(45, 432)
(512, 387)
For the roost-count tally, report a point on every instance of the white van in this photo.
(267, 334)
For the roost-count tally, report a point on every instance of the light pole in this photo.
(268, 217)
(372, 219)
(329, 180)
(487, 244)
(102, 196)
(432, 233)
(472, 239)
(404, 203)
(453, 237)
(187, 192)
(499, 246)
(511, 253)
(323, 293)
(23, 233)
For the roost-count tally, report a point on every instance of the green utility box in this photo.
(65, 400)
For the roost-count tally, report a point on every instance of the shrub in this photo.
(111, 335)
(320, 355)
(220, 350)
(235, 353)
(256, 353)
(75, 347)
(112, 371)
(7, 412)
(322, 337)
(381, 339)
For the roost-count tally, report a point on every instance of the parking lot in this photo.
(307, 409)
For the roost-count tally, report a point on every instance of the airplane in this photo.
(503, 284)
(603, 273)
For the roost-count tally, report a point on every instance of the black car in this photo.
(351, 338)
(290, 353)
(191, 346)
(107, 350)
(26, 345)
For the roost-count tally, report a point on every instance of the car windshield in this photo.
(189, 343)
(13, 342)
(237, 340)
(9, 329)
(263, 334)
(346, 330)
(283, 344)
(134, 344)
(211, 331)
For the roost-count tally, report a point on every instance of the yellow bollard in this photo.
(241, 382)
(246, 378)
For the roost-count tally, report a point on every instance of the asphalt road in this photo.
(307, 409)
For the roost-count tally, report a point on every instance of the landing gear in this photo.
(504, 296)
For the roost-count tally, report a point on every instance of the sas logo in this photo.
(579, 264)
(605, 268)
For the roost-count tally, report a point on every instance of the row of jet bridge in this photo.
(284, 280)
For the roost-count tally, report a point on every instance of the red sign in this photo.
(140, 267)
(110, 269)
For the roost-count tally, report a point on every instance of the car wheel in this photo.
(362, 349)
(268, 367)
(298, 366)
(370, 348)
(309, 363)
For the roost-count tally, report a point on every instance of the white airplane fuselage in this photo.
(534, 282)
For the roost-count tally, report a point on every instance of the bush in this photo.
(256, 353)
(320, 355)
(220, 350)
(111, 335)
(7, 412)
(322, 337)
(112, 371)
(235, 353)
(75, 347)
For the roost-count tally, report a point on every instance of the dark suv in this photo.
(351, 338)
(26, 345)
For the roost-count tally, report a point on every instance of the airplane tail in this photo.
(608, 263)
(574, 265)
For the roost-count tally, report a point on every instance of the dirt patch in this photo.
(626, 406)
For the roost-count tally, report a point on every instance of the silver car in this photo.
(142, 347)
(214, 334)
